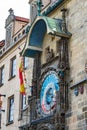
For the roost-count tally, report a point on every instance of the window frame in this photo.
(2, 75)
(12, 72)
(26, 62)
(23, 102)
(21, 107)
(10, 110)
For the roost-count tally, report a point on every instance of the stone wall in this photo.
(76, 20)
(76, 117)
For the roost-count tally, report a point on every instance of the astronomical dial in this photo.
(48, 96)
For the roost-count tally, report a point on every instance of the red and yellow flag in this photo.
(22, 88)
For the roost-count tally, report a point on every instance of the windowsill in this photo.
(9, 123)
(11, 77)
(1, 84)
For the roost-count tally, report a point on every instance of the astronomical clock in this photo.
(48, 93)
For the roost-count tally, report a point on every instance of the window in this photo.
(22, 105)
(23, 101)
(2, 75)
(13, 67)
(26, 62)
(11, 109)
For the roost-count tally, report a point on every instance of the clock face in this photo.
(48, 93)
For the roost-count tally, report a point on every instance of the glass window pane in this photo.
(23, 101)
(26, 62)
(2, 75)
(13, 67)
(11, 109)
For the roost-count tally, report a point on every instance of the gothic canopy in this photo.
(38, 29)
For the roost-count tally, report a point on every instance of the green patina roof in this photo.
(56, 26)
(37, 32)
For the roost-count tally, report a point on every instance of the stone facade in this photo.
(59, 84)
(11, 86)
(75, 75)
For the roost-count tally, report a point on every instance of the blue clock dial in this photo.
(48, 93)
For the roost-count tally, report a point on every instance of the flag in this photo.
(22, 88)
